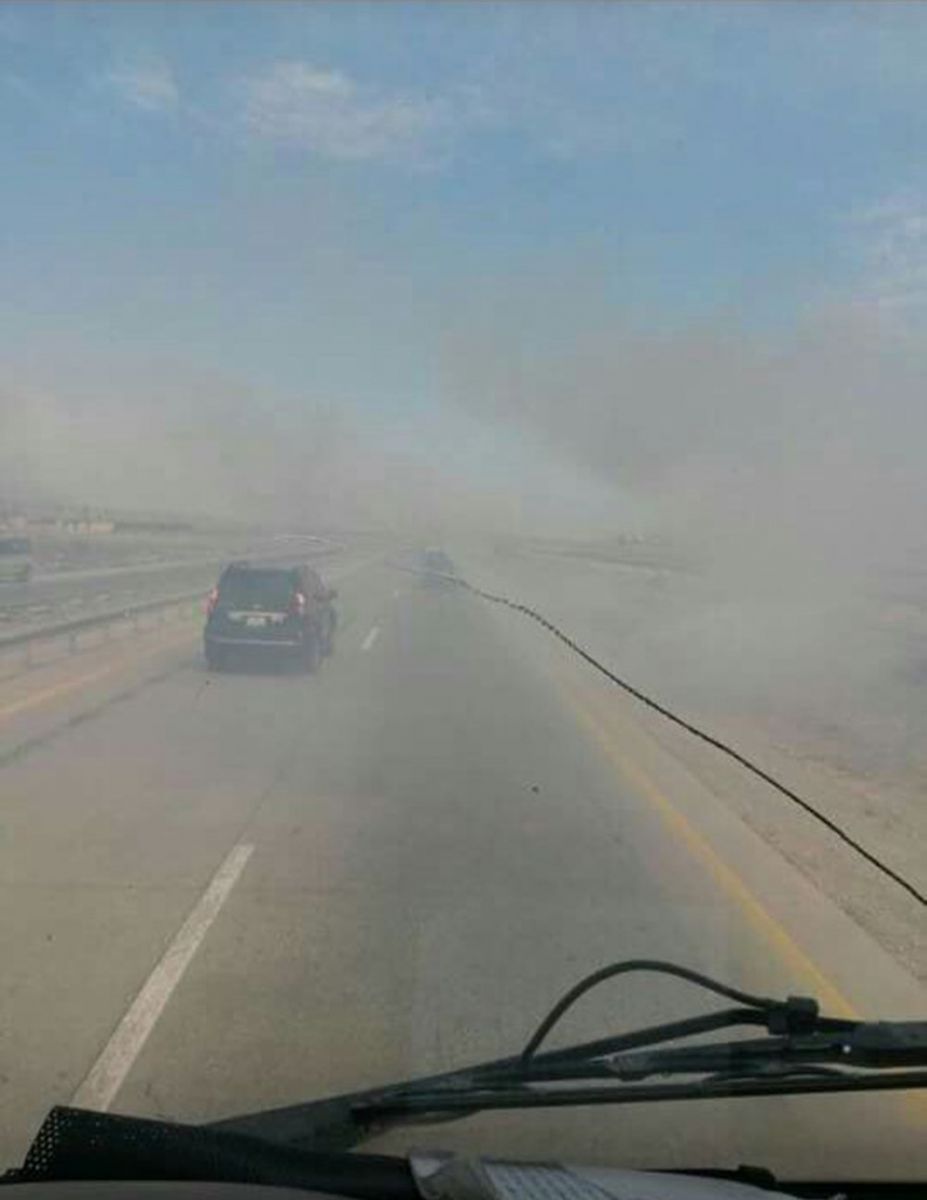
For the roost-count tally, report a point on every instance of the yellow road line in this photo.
(65, 687)
(910, 1106)
(727, 879)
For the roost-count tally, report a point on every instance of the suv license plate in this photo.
(256, 621)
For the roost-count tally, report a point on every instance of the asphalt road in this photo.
(393, 866)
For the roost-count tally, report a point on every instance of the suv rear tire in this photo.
(310, 652)
(216, 658)
(328, 643)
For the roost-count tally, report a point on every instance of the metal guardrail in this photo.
(26, 638)
(126, 612)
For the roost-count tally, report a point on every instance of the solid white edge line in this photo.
(370, 638)
(108, 1073)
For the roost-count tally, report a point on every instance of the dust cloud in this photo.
(784, 471)
(727, 440)
(159, 438)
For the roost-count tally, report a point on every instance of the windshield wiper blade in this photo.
(413, 1105)
(804, 1053)
(880, 1056)
(874, 1056)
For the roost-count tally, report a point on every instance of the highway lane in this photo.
(393, 866)
(817, 696)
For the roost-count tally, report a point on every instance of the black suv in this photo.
(277, 609)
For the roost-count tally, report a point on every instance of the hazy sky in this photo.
(340, 204)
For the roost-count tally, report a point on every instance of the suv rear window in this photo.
(268, 589)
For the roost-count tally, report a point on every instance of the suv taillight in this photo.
(211, 601)
(298, 605)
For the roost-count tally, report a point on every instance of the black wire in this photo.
(745, 762)
(625, 968)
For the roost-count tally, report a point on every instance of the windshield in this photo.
(569, 345)
(258, 589)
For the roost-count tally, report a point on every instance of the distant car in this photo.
(437, 560)
(272, 609)
(15, 558)
(437, 566)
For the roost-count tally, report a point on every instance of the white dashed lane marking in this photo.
(108, 1073)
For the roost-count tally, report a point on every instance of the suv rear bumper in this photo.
(269, 643)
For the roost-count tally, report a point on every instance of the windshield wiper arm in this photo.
(804, 1053)
(341, 1121)
(840, 1056)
